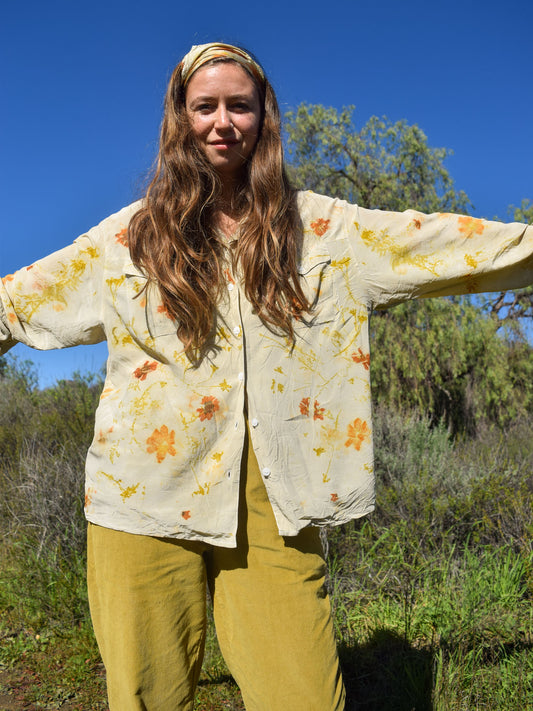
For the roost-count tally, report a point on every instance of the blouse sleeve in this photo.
(410, 254)
(55, 302)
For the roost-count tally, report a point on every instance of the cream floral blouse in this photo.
(166, 454)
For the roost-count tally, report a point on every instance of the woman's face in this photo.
(224, 109)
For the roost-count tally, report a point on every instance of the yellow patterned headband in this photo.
(202, 53)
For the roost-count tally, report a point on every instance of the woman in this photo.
(235, 417)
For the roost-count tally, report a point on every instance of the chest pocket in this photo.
(147, 316)
(317, 282)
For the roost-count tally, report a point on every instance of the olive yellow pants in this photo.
(272, 613)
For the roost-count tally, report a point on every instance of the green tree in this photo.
(383, 165)
(524, 213)
(18, 390)
(58, 418)
(515, 306)
(448, 358)
(66, 412)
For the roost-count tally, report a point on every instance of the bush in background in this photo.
(431, 594)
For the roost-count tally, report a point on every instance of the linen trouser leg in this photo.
(272, 612)
(147, 597)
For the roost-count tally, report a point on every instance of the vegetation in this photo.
(450, 359)
(515, 306)
(432, 593)
(383, 165)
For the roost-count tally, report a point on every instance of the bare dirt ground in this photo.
(12, 684)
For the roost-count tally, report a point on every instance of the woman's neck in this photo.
(226, 214)
(227, 222)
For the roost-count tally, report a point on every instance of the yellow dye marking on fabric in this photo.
(341, 263)
(120, 339)
(114, 283)
(125, 493)
(203, 490)
(129, 491)
(400, 256)
(65, 279)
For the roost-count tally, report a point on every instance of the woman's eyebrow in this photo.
(211, 97)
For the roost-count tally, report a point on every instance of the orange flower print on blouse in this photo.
(89, 496)
(147, 367)
(186, 515)
(304, 406)
(334, 497)
(358, 432)
(229, 276)
(162, 309)
(318, 413)
(122, 237)
(209, 407)
(320, 226)
(363, 358)
(161, 443)
(470, 226)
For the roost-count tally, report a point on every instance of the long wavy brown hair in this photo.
(174, 239)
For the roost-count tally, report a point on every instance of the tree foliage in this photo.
(44, 436)
(515, 305)
(383, 165)
(60, 418)
(524, 213)
(447, 358)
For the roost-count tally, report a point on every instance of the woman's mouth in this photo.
(224, 143)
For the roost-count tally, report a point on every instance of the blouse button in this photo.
(237, 330)
(266, 472)
(255, 422)
(240, 376)
(230, 287)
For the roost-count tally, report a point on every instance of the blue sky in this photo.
(82, 87)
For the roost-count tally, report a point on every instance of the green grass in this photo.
(444, 634)
(431, 595)
(448, 637)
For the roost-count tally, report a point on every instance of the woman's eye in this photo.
(204, 107)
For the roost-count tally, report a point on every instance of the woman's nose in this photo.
(222, 118)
